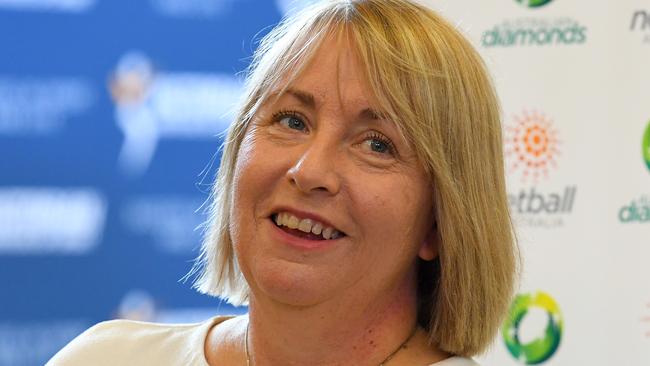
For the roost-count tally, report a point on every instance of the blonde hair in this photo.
(428, 79)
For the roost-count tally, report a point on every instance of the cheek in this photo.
(395, 212)
(257, 174)
(251, 170)
(248, 178)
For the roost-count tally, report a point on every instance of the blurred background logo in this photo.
(34, 106)
(533, 328)
(535, 32)
(534, 3)
(151, 105)
(170, 222)
(641, 23)
(532, 146)
(69, 6)
(50, 220)
(645, 145)
(191, 8)
(636, 211)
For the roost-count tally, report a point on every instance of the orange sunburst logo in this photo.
(532, 146)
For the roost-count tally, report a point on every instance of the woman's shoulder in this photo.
(456, 361)
(127, 342)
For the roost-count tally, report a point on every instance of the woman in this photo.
(359, 209)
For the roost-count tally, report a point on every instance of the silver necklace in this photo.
(248, 356)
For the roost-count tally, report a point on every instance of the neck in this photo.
(359, 331)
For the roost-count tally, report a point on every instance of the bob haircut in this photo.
(430, 81)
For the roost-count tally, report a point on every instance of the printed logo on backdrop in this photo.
(151, 105)
(168, 222)
(640, 23)
(42, 106)
(38, 221)
(638, 210)
(33, 342)
(58, 6)
(534, 3)
(645, 146)
(192, 8)
(532, 151)
(533, 328)
(535, 31)
(533, 146)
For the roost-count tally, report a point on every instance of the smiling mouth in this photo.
(305, 228)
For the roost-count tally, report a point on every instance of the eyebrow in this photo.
(305, 98)
(309, 101)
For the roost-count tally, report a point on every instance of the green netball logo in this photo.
(646, 146)
(542, 347)
(533, 3)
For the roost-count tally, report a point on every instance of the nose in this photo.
(315, 169)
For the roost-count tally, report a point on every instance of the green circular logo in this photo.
(533, 3)
(543, 346)
(646, 146)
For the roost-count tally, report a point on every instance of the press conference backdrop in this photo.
(110, 119)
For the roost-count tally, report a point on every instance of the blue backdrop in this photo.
(110, 113)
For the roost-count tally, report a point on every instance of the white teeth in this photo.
(292, 223)
(306, 225)
(317, 228)
(327, 233)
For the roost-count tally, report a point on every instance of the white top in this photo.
(132, 343)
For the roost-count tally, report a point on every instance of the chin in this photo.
(294, 284)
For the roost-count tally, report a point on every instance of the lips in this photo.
(310, 228)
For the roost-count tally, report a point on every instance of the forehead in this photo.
(329, 74)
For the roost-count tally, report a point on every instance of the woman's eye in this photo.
(291, 121)
(379, 144)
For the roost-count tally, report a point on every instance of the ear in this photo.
(429, 248)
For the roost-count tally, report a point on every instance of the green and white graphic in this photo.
(636, 211)
(535, 32)
(646, 146)
(543, 346)
(533, 3)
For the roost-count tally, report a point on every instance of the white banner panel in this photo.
(574, 81)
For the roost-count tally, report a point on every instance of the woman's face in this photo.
(329, 201)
